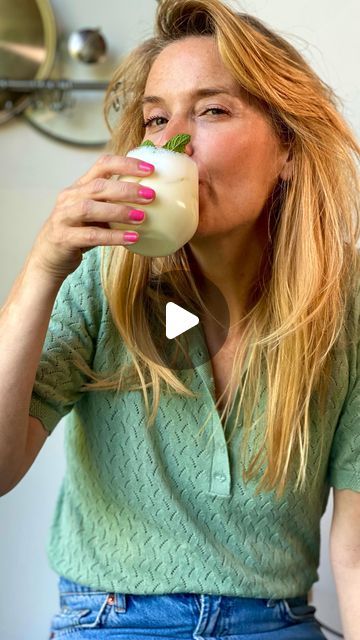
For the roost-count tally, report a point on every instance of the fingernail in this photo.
(136, 215)
(147, 193)
(145, 166)
(130, 236)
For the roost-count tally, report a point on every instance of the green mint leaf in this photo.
(147, 143)
(178, 142)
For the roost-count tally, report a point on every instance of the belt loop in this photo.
(272, 602)
(120, 602)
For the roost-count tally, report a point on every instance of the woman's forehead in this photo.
(188, 62)
(193, 65)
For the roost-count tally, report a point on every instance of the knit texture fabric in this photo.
(164, 509)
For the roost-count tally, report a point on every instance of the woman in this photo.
(163, 529)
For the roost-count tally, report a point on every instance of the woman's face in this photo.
(238, 154)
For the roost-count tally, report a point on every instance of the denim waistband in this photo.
(74, 587)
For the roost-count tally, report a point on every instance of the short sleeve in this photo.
(73, 328)
(344, 464)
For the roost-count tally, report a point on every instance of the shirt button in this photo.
(220, 476)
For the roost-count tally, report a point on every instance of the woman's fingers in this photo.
(109, 165)
(83, 213)
(90, 237)
(93, 211)
(113, 190)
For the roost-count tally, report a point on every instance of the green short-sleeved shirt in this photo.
(164, 509)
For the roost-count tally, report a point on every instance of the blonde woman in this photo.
(191, 506)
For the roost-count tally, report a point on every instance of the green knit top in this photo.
(164, 509)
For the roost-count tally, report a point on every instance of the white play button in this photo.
(178, 320)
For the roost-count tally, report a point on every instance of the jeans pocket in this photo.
(80, 611)
(297, 611)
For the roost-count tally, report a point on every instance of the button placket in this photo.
(220, 476)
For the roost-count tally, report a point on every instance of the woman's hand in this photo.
(79, 220)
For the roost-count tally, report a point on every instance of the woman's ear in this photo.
(287, 170)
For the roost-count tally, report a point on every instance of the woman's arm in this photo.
(23, 324)
(78, 223)
(345, 558)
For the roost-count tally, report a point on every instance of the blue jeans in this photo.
(87, 614)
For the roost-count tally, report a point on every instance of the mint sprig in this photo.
(176, 143)
(147, 143)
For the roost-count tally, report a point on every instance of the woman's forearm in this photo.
(347, 579)
(24, 320)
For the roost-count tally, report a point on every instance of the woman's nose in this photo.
(175, 130)
(189, 148)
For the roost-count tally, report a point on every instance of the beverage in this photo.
(172, 219)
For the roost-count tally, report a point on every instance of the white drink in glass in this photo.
(173, 217)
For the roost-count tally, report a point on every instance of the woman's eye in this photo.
(156, 121)
(214, 111)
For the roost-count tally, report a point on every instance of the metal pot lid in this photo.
(27, 48)
(74, 117)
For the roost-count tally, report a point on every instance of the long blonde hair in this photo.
(300, 304)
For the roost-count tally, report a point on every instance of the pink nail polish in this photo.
(136, 215)
(147, 193)
(130, 236)
(145, 166)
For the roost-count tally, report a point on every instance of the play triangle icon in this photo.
(178, 320)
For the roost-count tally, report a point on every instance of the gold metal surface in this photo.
(27, 48)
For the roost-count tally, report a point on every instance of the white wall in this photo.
(33, 169)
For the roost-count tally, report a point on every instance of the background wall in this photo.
(34, 169)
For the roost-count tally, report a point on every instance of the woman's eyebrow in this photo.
(199, 93)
